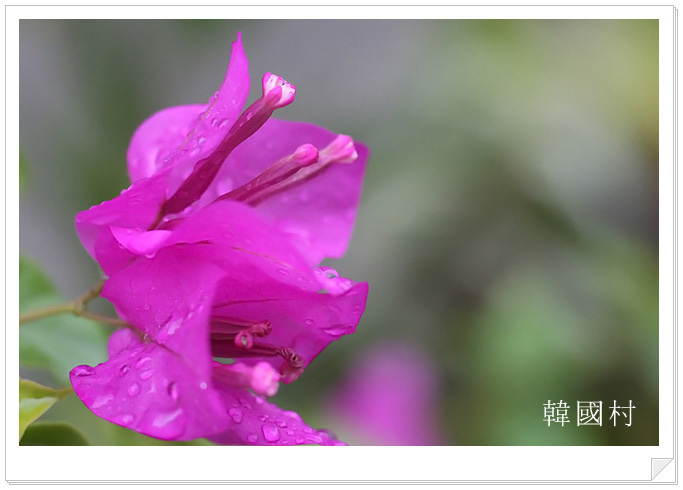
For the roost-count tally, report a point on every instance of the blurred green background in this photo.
(508, 227)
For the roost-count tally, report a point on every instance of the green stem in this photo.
(77, 307)
(115, 322)
(39, 313)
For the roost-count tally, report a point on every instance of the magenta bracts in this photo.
(212, 257)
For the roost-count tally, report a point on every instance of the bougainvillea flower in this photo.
(388, 399)
(212, 258)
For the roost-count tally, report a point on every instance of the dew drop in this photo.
(142, 362)
(284, 272)
(281, 423)
(259, 400)
(173, 326)
(101, 400)
(172, 423)
(336, 330)
(293, 415)
(236, 415)
(310, 322)
(201, 140)
(82, 371)
(125, 419)
(133, 390)
(299, 440)
(249, 115)
(173, 390)
(253, 438)
(290, 432)
(270, 432)
(146, 374)
(202, 385)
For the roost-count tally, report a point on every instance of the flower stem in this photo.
(101, 318)
(39, 313)
(77, 307)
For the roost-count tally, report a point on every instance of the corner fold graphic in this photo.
(658, 464)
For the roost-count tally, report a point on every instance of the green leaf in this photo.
(35, 289)
(35, 400)
(53, 434)
(56, 343)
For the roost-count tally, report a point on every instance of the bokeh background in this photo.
(508, 227)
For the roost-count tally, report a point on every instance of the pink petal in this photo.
(233, 235)
(149, 389)
(180, 136)
(257, 422)
(223, 110)
(159, 136)
(169, 298)
(136, 208)
(317, 215)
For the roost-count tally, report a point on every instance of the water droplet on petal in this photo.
(299, 440)
(259, 400)
(202, 385)
(125, 419)
(81, 371)
(148, 373)
(290, 432)
(253, 438)
(310, 322)
(249, 115)
(284, 272)
(173, 390)
(336, 330)
(173, 326)
(172, 423)
(281, 423)
(291, 414)
(134, 389)
(236, 415)
(270, 432)
(102, 400)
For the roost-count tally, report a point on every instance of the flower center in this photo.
(236, 338)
